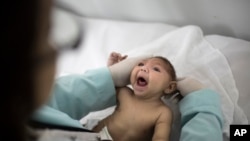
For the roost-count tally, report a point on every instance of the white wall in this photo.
(223, 17)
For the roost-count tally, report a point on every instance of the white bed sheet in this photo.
(190, 53)
(237, 53)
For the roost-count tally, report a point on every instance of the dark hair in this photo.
(18, 37)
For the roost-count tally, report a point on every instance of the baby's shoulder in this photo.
(124, 93)
(165, 110)
(164, 115)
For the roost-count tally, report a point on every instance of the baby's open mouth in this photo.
(141, 81)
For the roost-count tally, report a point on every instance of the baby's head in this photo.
(154, 75)
(169, 67)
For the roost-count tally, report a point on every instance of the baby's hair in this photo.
(175, 95)
(171, 69)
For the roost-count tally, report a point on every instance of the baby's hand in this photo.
(115, 58)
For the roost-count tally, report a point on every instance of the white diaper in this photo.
(104, 134)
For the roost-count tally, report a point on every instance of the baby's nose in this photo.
(144, 69)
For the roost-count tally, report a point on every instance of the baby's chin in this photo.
(140, 91)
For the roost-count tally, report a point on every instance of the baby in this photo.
(140, 114)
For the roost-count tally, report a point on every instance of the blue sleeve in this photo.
(201, 116)
(74, 96)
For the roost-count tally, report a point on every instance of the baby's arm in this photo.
(163, 126)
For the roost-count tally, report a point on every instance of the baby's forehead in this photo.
(157, 61)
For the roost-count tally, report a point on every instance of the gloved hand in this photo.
(187, 85)
(121, 71)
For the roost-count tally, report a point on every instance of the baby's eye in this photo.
(141, 64)
(156, 69)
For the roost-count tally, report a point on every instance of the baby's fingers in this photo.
(115, 55)
(123, 57)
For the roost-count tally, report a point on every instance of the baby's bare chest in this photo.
(137, 117)
(133, 122)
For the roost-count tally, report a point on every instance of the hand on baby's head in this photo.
(114, 58)
(187, 85)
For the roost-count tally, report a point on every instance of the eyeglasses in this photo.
(66, 30)
(65, 34)
(56, 47)
(66, 43)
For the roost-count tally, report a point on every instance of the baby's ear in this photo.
(171, 88)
